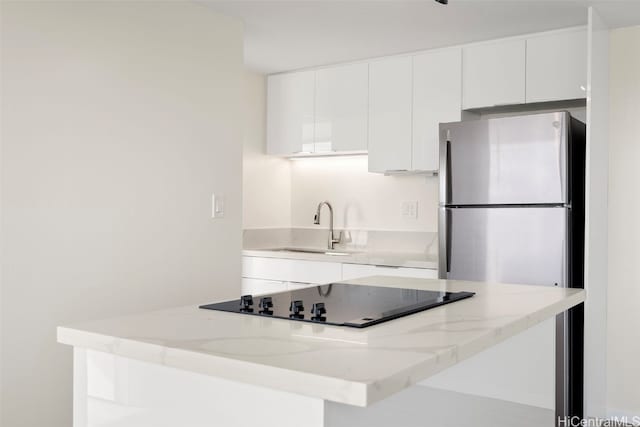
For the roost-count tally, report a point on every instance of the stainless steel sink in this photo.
(314, 251)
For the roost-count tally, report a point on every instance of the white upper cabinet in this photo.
(557, 66)
(290, 113)
(409, 98)
(493, 74)
(390, 92)
(341, 108)
(392, 107)
(437, 98)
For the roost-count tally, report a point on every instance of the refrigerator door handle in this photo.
(448, 190)
(448, 240)
(564, 283)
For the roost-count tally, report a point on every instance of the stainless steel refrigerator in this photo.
(512, 211)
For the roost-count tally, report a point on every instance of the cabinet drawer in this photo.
(261, 286)
(289, 270)
(354, 271)
(292, 286)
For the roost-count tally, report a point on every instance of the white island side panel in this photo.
(114, 391)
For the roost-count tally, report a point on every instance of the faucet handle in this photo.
(333, 240)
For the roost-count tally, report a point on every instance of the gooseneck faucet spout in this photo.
(316, 220)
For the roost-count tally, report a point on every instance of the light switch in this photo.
(409, 209)
(217, 205)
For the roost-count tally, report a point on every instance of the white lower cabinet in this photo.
(262, 275)
(354, 271)
(262, 286)
(291, 270)
(292, 286)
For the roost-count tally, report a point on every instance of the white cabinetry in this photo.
(557, 66)
(390, 91)
(409, 98)
(493, 74)
(290, 113)
(292, 286)
(262, 286)
(437, 98)
(318, 112)
(262, 275)
(392, 107)
(354, 271)
(290, 270)
(541, 68)
(341, 108)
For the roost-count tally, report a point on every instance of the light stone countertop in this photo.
(346, 365)
(392, 259)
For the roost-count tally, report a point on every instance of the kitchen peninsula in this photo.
(192, 367)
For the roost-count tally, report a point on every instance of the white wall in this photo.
(624, 229)
(119, 119)
(361, 200)
(266, 179)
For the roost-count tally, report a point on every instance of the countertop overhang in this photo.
(345, 365)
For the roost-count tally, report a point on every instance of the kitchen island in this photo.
(192, 367)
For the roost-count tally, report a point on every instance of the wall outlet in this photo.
(217, 205)
(409, 209)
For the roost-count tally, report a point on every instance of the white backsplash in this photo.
(361, 240)
(361, 200)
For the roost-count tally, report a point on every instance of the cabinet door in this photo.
(294, 286)
(355, 271)
(291, 270)
(437, 98)
(261, 286)
(290, 103)
(341, 108)
(557, 66)
(390, 89)
(493, 74)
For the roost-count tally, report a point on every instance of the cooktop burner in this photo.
(340, 304)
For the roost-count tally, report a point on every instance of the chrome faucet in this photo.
(316, 220)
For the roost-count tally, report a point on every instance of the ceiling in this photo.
(294, 34)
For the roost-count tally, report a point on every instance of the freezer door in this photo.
(511, 160)
(508, 245)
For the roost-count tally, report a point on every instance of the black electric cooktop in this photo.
(340, 304)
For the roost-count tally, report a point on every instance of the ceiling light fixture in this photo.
(443, 1)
